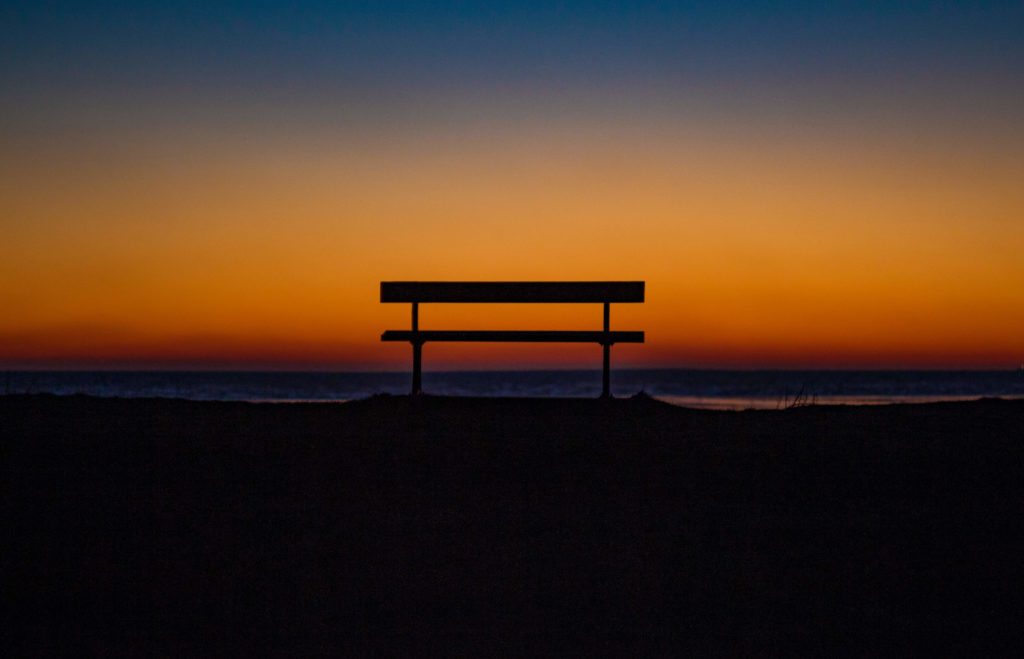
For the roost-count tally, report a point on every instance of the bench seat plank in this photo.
(512, 291)
(524, 336)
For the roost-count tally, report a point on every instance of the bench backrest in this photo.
(512, 291)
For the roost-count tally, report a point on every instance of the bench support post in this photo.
(606, 375)
(417, 351)
(417, 362)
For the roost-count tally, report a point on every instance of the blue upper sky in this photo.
(318, 45)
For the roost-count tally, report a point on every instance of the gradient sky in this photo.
(801, 184)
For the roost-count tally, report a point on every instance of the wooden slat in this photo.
(512, 291)
(517, 336)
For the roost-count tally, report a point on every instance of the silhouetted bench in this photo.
(603, 292)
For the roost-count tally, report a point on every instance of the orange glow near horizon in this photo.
(761, 247)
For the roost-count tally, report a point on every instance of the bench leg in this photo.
(417, 352)
(417, 367)
(606, 390)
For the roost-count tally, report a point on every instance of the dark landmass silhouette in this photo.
(508, 526)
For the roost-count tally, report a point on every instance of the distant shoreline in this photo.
(692, 388)
(686, 402)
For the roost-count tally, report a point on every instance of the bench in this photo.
(601, 292)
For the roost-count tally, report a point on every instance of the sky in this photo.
(224, 185)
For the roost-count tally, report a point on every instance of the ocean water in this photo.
(694, 388)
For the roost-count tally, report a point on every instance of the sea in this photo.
(711, 389)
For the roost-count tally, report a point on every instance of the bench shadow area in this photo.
(508, 526)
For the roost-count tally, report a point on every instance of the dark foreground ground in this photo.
(512, 526)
